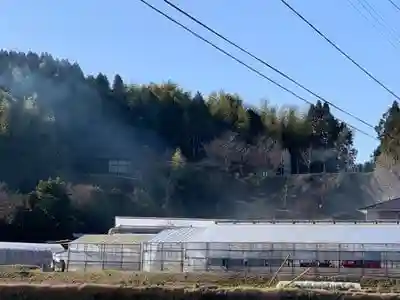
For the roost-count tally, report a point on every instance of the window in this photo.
(119, 166)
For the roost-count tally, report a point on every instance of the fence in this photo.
(369, 260)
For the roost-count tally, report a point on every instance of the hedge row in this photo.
(109, 292)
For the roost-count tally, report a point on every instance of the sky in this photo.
(126, 37)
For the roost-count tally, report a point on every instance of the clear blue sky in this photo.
(128, 38)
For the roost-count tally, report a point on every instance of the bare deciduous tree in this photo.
(387, 171)
(386, 160)
(225, 150)
(311, 155)
(266, 154)
(306, 156)
(230, 151)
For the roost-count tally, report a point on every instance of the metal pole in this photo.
(122, 257)
(162, 257)
(272, 258)
(85, 259)
(182, 257)
(363, 260)
(103, 255)
(140, 267)
(386, 263)
(207, 256)
(279, 269)
(68, 256)
(298, 277)
(317, 261)
(339, 258)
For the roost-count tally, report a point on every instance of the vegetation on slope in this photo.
(184, 154)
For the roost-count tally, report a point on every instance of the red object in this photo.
(365, 264)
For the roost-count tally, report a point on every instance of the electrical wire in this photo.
(383, 33)
(252, 69)
(340, 50)
(379, 18)
(396, 6)
(196, 20)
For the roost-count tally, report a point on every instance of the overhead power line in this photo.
(379, 18)
(396, 6)
(259, 73)
(340, 50)
(265, 63)
(379, 29)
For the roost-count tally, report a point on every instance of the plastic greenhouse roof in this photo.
(31, 246)
(180, 235)
(301, 233)
(126, 238)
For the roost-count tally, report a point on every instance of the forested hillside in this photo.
(76, 150)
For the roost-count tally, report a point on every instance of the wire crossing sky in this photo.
(259, 60)
(142, 48)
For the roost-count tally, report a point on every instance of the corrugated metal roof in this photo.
(153, 222)
(178, 222)
(301, 233)
(31, 246)
(392, 204)
(177, 235)
(112, 239)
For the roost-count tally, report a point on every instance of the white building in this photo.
(155, 225)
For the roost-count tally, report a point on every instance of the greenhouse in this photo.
(104, 252)
(166, 251)
(265, 247)
(27, 253)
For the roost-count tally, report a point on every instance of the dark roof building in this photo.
(385, 210)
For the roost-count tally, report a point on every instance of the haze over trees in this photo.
(76, 150)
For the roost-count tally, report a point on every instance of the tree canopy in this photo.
(154, 150)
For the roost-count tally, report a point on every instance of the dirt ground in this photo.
(133, 279)
(25, 291)
(25, 274)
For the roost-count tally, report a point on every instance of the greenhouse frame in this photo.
(104, 252)
(362, 249)
(327, 248)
